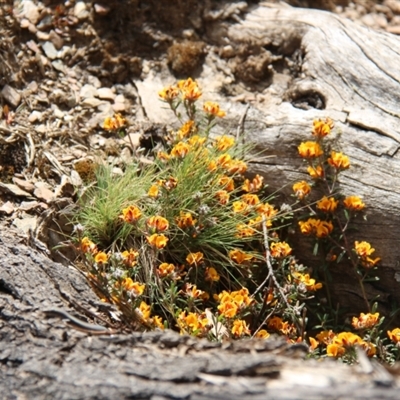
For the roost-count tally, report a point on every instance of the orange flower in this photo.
(189, 89)
(144, 310)
(323, 229)
(301, 189)
(339, 161)
(211, 274)
(322, 128)
(307, 227)
(187, 129)
(163, 156)
(325, 337)
(227, 183)
(223, 143)
(135, 288)
(185, 220)
(275, 323)
(253, 186)
(196, 141)
(158, 223)
(224, 160)
(327, 204)
(365, 321)
(195, 258)
(315, 172)
(320, 228)
(130, 257)
(166, 269)
(244, 231)
(280, 249)
(212, 166)
(192, 291)
(353, 203)
(310, 150)
(335, 350)
(262, 334)
(170, 183)
(240, 328)
(180, 150)
(222, 196)
(237, 167)
(313, 343)
(101, 258)
(267, 210)
(363, 249)
(157, 241)
(169, 93)
(309, 283)
(88, 246)
(250, 199)
(131, 214)
(394, 335)
(240, 207)
(213, 109)
(240, 257)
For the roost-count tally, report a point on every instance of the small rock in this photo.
(101, 9)
(91, 102)
(119, 107)
(58, 65)
(105, 108)
(26, 223)
(56, 39)
(65, 188)
(11, 96)
(393, 29)
(42, 36)
(88, 91)
(7, 208)
(43, 193)
(106, 93)
(132, 139)
(29, 205)
(394, 5)
(117, 171)
(35, 116)
(50, 50)
(80, 10)
(57, 112)
(10, 188)
(76, 179)
(26, 185)
(30, 11)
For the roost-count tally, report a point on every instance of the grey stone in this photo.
(56, 39)
(35, 116)
(106, 93)
(88, 91)
(50, 50)
(11, 96)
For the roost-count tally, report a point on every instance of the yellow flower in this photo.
(322, 128)
(237, 167)
(262, 334)
(327, 204)
(158, 223)
(213, 109)
(339, 161)
(101, 258)
(224, 160)
(240, 207)
(394, 335)
(301, 189)
(240, 328)
(347, 339)
(185, 220)
(228, 309)
(267, 210)
(131, 214)
(163, 156)
(222, 196)
(240, 257)
(189, 89)
(136, 288)
(227, 183)
(244, 231)
(211, 274)
(335, 350)
(144, 310)
(253, 186)
(88, 246)
(195, 258)
(212, 166)
(315, 172)
(353, 203)
(363, 249)
(170, 183)
(180, 150)
(153, 191)
(275, 323)
(307, 227)
(365, 321)
(114, 123)
(325, 337)
(157, 241)
(130, 257)
(169, 93)
(196, 141)
(313, 343)
(166, 269)
(280, 249)
(157, 322)
(223, 143)
(187, 129)
(192, 291)
(308, 282)
(310, 150)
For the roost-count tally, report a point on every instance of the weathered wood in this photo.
(43, 358)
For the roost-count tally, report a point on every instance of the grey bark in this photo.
(44, 358)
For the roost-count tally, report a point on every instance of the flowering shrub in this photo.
(191, 243)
